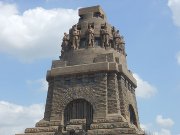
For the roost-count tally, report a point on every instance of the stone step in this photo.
(41, 129)
(114, 131)
(109, 120)
(43, 123)
(77, 121)
(74, 127)
(110, 125)
(42, 133)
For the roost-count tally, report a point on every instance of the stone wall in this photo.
(91, 87)
(112, 94)
(49, 99)
(127, 97)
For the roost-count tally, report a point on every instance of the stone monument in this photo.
(91, 91)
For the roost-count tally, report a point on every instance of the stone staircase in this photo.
(113, 126)
(107, 126)
(43, 128)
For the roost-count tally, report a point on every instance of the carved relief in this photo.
(107, 39)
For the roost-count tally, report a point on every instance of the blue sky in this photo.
(30, 37)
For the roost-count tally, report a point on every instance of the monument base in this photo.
(108, 126)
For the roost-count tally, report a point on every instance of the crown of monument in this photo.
(92, 31)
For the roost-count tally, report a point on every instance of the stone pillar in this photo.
(121, 82)
(55, 114)
(49, 98)
(101, 95)
(112, 94)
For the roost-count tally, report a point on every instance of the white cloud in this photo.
(163, 132)
(144, 89)
(178, 58)
(144, 127)
(164, 122)
(15, 118)
(38, 85)
(174, 5)
(34, 34)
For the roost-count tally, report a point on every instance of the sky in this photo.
(30, 36)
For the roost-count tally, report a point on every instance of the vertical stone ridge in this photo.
(100, 94)
(49, 99)
(112, 93)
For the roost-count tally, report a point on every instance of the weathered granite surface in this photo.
(92, 68)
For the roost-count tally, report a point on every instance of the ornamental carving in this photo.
(103, 36)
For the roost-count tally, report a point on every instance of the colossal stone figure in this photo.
(104, 37)
(113, 31)
(90, 36)
(65, 43)
(75, 37)
(117, 40)
(122, 45)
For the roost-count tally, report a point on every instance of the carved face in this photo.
(75, 27)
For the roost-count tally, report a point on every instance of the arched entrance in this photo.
(79, 109)
(132, 115)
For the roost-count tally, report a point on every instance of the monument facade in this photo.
(91, 91)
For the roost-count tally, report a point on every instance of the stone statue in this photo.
(122, 45)
(65, 43)
(113, 31)
(75, 37)
(113, 38)
(116, 39)
(104, 37)
(90, 36)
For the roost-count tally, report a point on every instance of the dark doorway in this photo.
(79, 109)
(132, 115)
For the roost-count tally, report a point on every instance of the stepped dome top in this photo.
(91, 36)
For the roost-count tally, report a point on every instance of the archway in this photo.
(133, 119)
(79, 109)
